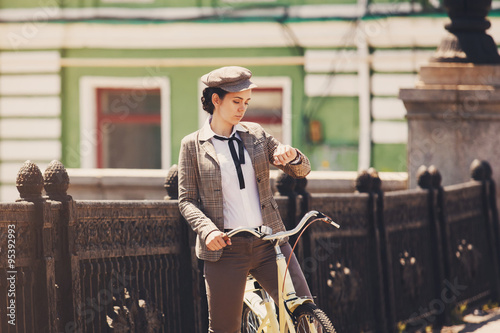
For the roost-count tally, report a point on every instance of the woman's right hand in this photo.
(217, 240)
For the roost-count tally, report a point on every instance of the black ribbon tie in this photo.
(238, 161)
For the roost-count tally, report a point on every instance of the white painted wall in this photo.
(30, 109)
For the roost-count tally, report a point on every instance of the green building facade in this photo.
(115, 83)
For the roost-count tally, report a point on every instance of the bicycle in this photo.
(296, 314)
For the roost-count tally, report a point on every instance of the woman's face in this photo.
(232, 107)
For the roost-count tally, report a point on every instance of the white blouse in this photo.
(241, 207)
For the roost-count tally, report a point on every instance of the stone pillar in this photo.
(454, 111)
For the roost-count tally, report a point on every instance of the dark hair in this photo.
(206, 99)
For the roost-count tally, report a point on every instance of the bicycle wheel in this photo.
(250, 322)
(310, 319)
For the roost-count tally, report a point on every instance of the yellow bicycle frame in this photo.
(287, 295)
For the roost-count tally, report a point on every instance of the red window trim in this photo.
(268, 89)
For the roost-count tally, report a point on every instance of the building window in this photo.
(266, 108)
(130, 123)
(125, 122)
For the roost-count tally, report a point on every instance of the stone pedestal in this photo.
(453, 118)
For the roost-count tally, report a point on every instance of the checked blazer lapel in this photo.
(208, 147)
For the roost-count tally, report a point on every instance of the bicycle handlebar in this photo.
(283, 234)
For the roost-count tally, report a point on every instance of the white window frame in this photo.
(283, 82)
(88, 113)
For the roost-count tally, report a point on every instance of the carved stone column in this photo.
(454, 111)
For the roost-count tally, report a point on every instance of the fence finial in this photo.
(376, 182)
(363, 182)
(171, 183)
(480, 170)
(424, 179)
(29, 182)
(285, 184)
(435, 177)
(56, 181)
(300, 185)
(368, 181)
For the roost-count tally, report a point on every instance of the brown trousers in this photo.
(225, 279)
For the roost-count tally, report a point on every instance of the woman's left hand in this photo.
(284, 154)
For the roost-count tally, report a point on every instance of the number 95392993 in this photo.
(11, 247)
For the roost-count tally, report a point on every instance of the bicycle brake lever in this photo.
(328, 220)
(320, 215)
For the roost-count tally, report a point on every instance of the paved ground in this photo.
(488, 322)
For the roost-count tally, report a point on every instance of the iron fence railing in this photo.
(401, 261)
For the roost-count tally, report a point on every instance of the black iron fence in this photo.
(402, 260)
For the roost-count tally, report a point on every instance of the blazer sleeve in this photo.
(299, 170)
(189, 193)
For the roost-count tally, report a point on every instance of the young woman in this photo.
(224, 184)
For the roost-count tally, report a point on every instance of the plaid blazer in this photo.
(200, 185)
